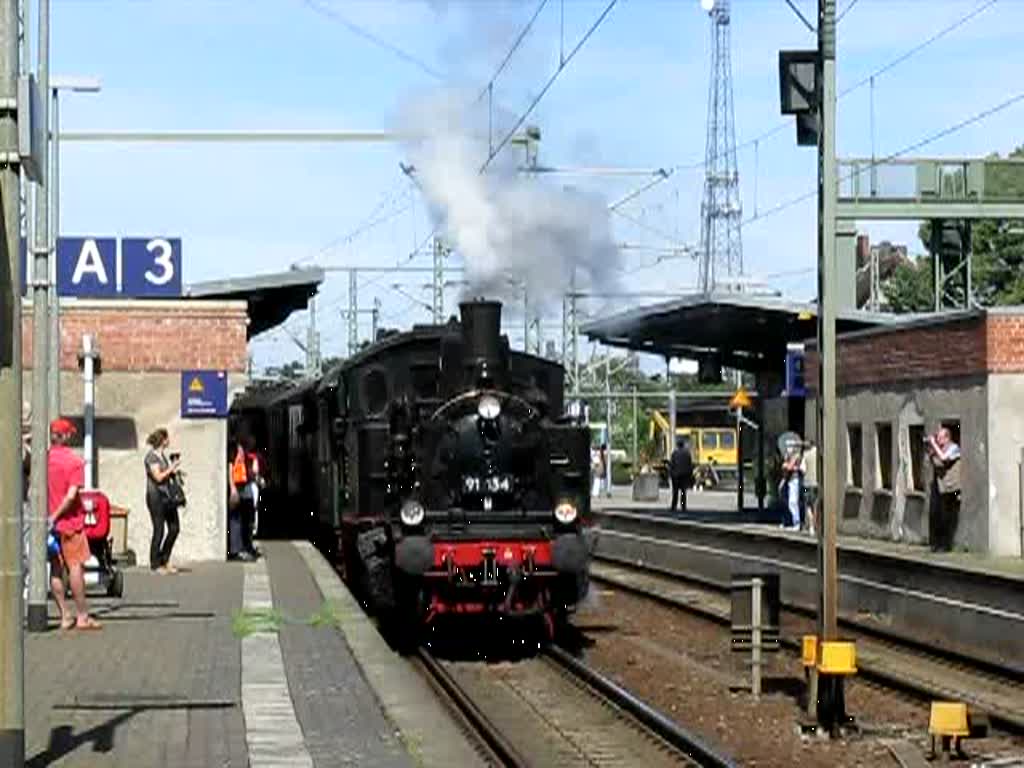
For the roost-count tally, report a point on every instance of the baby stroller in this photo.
(100, 570)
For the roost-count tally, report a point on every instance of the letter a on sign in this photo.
(87, 267)
(90, 262)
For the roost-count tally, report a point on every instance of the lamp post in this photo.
(74, 85)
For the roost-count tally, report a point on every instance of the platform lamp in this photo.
(75, 84)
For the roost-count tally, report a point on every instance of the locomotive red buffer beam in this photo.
(513, 577)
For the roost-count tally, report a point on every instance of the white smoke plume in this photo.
(511, 229)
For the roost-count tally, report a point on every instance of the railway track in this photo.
(912, 667)
(553, 710)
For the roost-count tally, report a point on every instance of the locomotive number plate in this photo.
(491, 484)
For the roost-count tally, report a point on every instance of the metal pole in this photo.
(672, 419)
(438, 284)
(828, 453)
(54, 298)
(12, 679)
(89, 408)
(608, 419)
(755, 637)
(740, 505)
(636, 431)
(353, 312)
(40, 350)
(526, 319)
(761, 485)
(374, 320)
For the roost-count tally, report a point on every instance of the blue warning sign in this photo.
(204, 394)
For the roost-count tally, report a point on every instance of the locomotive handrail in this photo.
(475, 394)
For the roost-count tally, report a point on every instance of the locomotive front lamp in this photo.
(412, 513)
(565, 513)
(488, 408)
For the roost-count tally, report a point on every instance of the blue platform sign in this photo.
(204, 394)
(152, 266)
(87, 267)
(104, 268)
(795, 384)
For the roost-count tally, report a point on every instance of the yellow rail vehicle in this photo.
(708, 445)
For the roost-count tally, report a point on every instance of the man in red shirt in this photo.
(67, 517)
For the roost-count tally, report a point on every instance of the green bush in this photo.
(622, 472)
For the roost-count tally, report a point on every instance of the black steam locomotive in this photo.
(436, 469)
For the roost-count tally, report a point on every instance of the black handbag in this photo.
(173, 492)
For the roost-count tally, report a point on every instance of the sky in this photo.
(634, 96)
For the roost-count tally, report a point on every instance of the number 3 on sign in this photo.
(152, 266)
(163, 258)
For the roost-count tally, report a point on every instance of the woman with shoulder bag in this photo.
(164, 496)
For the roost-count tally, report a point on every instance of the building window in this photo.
(883, 455)
(918, 453)
(855, 455)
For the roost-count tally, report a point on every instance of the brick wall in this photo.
(969, 345)
(1004, 336)
(151, 336)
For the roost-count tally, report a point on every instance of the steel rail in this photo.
(491, 736)
(683, 740)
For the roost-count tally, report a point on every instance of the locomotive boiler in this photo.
(448, 480)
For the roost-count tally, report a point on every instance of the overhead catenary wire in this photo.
(547, 86)
(366, 34)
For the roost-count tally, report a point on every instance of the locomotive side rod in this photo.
(485, 729)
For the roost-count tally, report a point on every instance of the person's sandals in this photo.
(66, 625)
(89, 623)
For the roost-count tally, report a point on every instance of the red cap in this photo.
(62, 427)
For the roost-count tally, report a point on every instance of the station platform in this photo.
(721, 508)
(271, 663)
(966, 603)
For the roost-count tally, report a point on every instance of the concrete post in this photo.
(828, 453)
(12, 679)
(40, 350)
(53, 382)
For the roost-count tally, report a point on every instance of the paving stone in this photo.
(341, 718)
(158, 686)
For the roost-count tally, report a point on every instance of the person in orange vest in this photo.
(239, 503)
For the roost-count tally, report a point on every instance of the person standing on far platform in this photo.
(809, 469)
(680, 470)
(66, 477)
(792, 480)
(945, 457)
(160, 500)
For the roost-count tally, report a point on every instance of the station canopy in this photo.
(744, 331)
(272, 298)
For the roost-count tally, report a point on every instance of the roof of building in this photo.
(740, 328)
(271, 298)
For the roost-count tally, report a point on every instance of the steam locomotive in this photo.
(437, 471)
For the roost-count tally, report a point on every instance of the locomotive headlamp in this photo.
(488, 408)
(565, 513)
(412, 513)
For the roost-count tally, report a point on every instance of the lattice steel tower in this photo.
(721, 211)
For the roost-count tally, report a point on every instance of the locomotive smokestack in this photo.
(481, 334)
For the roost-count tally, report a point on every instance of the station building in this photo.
(899, 383)
(899, 379)
(149, 354)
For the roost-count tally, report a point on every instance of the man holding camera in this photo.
(944, 454)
